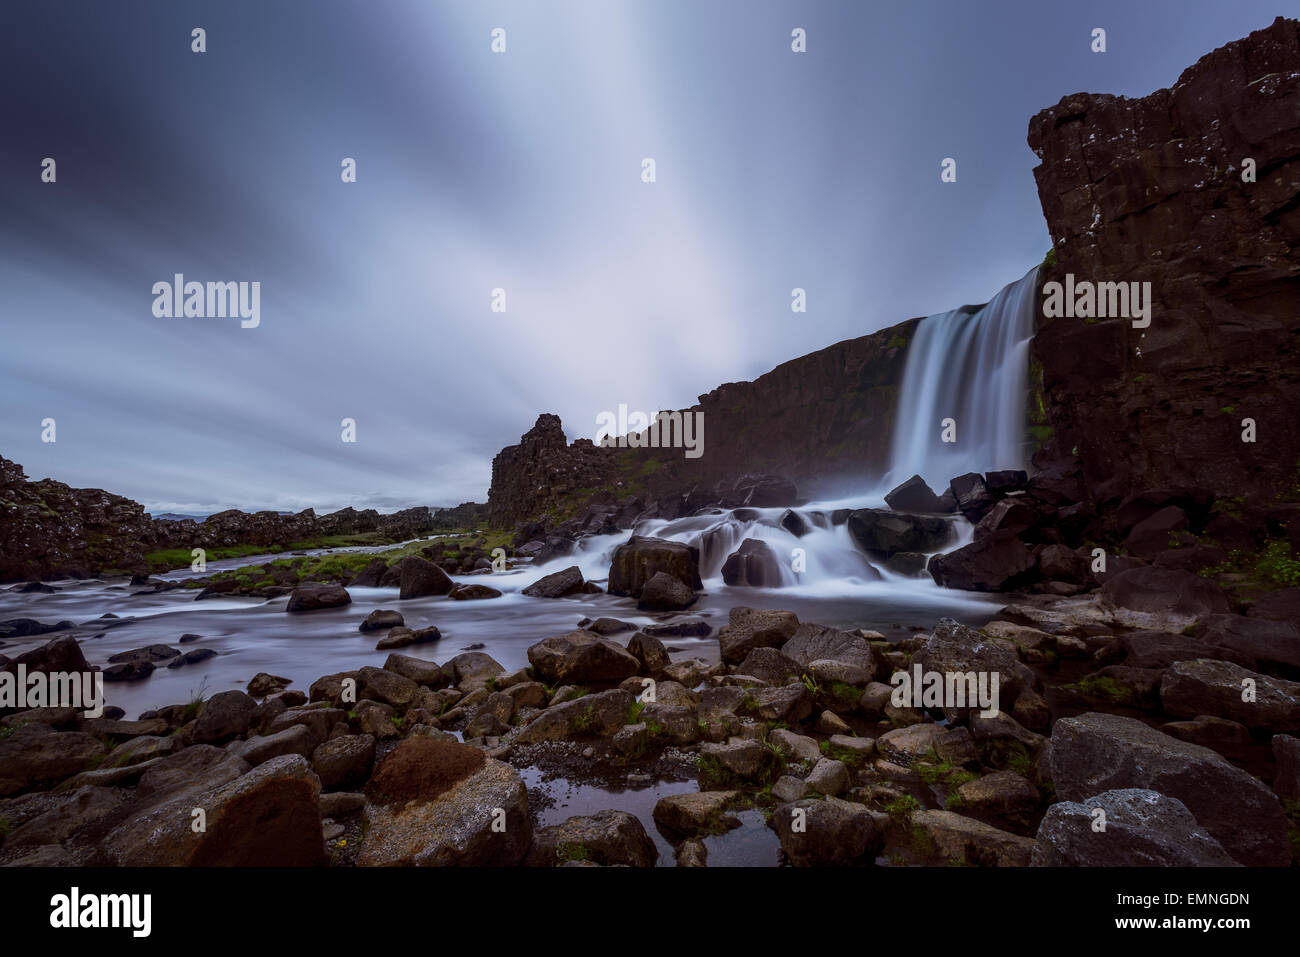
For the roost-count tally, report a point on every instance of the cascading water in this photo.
(969, 365)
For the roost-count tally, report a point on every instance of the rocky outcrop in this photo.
(1151, 190)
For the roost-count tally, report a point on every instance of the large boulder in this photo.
(663, 592)
(1143, 828)
(419, 577)
(36, 755)
(640, 558)
(753, 564)
(992, 563)
(957, 838)
(974, 500)
(438, 803)
(953, 648)
(880, 532)
(1166, 592)
(226, 715)
(915, 496)
(696, 813)
(749, 628)
(1097, 752)
(60, 654)
(316, 595)
(1225, 690)
(567, 581)
(607, 838)
(579, 657)
(591, 716)
(827, 833)
(268, 817)
(1263, 641)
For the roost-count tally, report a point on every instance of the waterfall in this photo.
(969, 364)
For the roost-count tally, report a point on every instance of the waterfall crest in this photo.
(970, 365)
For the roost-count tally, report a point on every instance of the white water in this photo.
(971, 367)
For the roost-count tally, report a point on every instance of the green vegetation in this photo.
(1049, 260)
(1102, 688)
(1274, 566)
(634, 712)
(896, 341)
(844, 755)
(901, 808)
(570, 851)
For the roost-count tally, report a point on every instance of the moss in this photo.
(1102, 688)
(1274, 566)
(1049, 260)
(570, 851)
(584, 723)
(901, 808)
(634, 712)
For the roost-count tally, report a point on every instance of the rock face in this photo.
(1151, 190)
(1100, 752)
(541, 471)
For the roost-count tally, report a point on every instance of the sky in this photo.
(476, 171)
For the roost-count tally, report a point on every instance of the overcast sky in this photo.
(476, 170)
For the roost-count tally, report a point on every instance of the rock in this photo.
(789, 788)
(770, 665)
(84, 807)
(607, 838)
(829, 777)
(1097, 752)
(650, 653)
(141, 749)
(472, 669)
(371, 575)
(905, 745)
(789, 703)
(1286, 757)
(225, 715)
(154, 653)
(606, 626)
(473, 592)
(827, 833)
(439, 803)
(136, 669)
(992, 563)
(377, 684)
(1205, 687)
(269, 816)
(320, 721)
(754, 564)
(880, 532)
(964, 839)
(953, 648)
(419, 578)
(794, 523)
(317, 595)
(263, 684)
(798, 747)
(593, 715)
(1229, 738)
(559, 584)
(1164, 592)
(578, 657)
(340, 803)
(640, 558)
(1281, 605)
(58, 655)
(691, 854)
(1009, 518)
(815, 647)
(35, 755)
(1152, 535)
(344, 762)
(1063, 564)
(972, 496)
(296, 739)
(749, 629)
(192, 657)
(737, 760)
(1159, 649)
(663, 592)
(1143, 828)
(381, 619)
(914, 496)
(422, 672)
(1262, 641)
(694, 628)
(1003, 799)
(188, 772)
